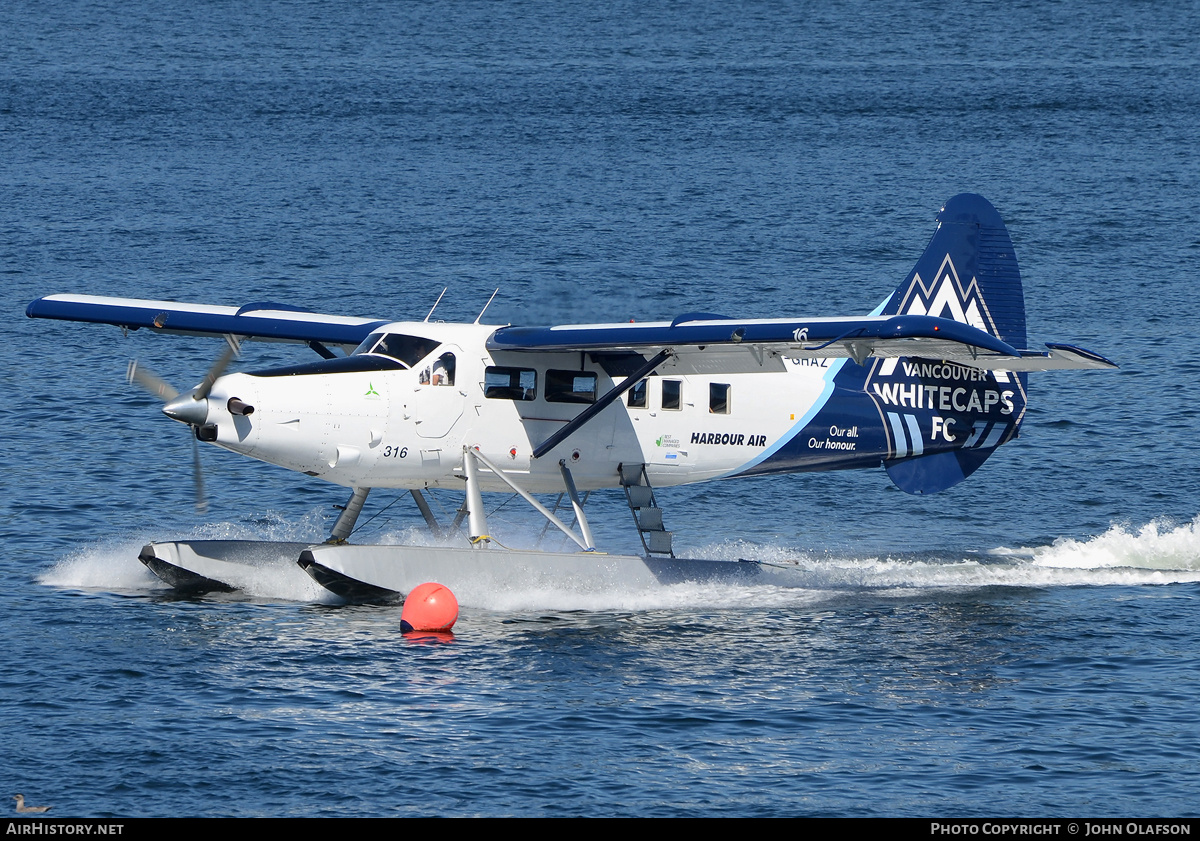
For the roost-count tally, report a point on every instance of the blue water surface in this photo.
(1023, 644)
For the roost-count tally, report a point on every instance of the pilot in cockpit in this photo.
(441, 372)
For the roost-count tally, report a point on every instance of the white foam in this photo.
(1157, 553)
(112, 564)
(1154, 554)
(1158, 545)
(671, 597)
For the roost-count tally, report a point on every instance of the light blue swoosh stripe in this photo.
(817, 406)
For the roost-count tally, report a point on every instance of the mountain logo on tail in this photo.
(946, 298)
(928, 404)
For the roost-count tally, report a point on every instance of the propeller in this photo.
(198, 479)
(151, 382)
(190, 408)
(233, 349)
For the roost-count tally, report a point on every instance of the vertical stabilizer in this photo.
(943, 420)
(968, 273)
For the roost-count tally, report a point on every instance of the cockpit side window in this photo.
(441, 372)
(406, 349)
(366, 344)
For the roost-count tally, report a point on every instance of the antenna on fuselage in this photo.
(488, 304)
(435, 303)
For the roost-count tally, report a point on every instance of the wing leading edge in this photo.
(264, 321)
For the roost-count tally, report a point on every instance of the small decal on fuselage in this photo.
(835, 439)
(732, 439)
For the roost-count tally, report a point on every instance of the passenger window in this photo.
(718, 398)
(570, 387)
(502, 383)
(672, 394)
(638, 395)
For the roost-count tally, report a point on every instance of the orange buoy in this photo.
(429, 607)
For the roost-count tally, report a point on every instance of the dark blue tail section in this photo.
(932, 423)
(968, 273)
(944, 420)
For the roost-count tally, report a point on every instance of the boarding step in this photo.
(647, 516)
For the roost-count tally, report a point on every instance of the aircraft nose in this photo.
(187, 409)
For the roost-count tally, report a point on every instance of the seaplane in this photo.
(928, 386)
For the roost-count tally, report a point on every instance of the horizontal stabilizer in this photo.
(1058, 358)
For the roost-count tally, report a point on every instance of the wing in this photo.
(713, 344)
(263, 321)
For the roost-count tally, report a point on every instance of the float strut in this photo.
(427, 513)
(476, 518)
(459, 516)
(345, 522)
(475, 455)
(576, 504)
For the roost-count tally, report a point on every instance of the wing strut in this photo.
(601, 404)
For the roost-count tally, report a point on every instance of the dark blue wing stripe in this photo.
(810, 332)
(181, 320)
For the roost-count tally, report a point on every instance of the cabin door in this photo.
(440, 397)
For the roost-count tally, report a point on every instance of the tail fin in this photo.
(968, 273)
(944, 420)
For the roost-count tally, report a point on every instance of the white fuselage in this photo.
(406, 426)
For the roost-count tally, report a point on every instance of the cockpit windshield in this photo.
(408, 350)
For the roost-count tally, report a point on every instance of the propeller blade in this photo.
(198, 476)
(193, 410)
(232, 350)
(150, 381)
